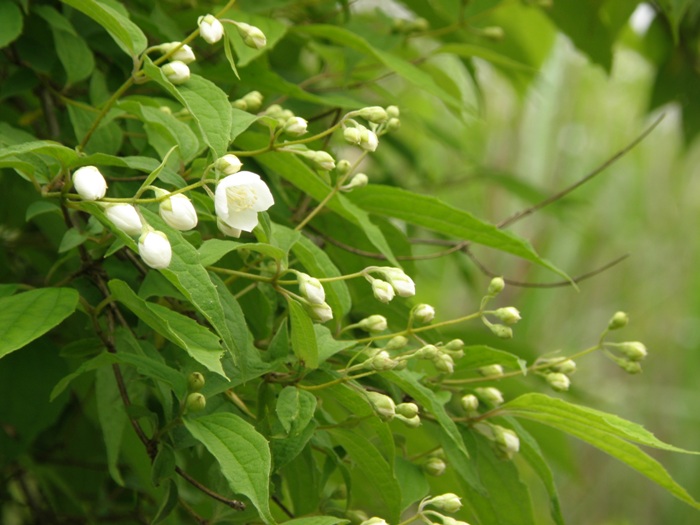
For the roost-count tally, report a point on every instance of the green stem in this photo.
(237, 273)
(420, 328)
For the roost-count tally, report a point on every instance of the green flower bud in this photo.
(496, 286)
(253, 101)
(393, 124)
(493, 33)
(373, 323)
(490, 395)
(408, 410)
(393, 112)
(618, 320)
(455, 344)
(383, 405)
(502, 331)
(491, 371)
(470, 403)
(449, 520)
(632, 367)
(374, 521)
(633, 350)
(567, 367)
(396, 343)
(435, 466)
(195, 402)
(428, 352)
(446, 502)
(508, 315)
(423, 313)
(444, 363)
(195, 382)
(411, 422)
(352, 135)
(374, 114)
(382, 361)
(343, 166)
(558, 381)
(360, 180)
(252, 36)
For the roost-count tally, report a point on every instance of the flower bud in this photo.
(567, 367)
(631, 367)
(490, 395)
(311, 288)
(382, 290)
(322, 159)
(177, 211)
(496, 286)
(89, 183)
(352, 135)
(155, 250)
(618, 320)
(321, 312)
(253, 101)
(396, 343)
(411, 422)
(374, 521)
(176, 72)
(393, 111)
(374, 114)
(125, 217)
(501, 330)
(252, 36)
(444, 363)
(423, 313)
(402, 283)
(373, 323)
(507, 441)
(491, 371)
(228, 164)
(428, 352)
(558, 381)
(470, 403)
(383, 405)
(195, 402)
(368, 140)
(435, 466)
(449, 520)
(356, 516)
(446, 502)
(195, 382)
(393, 124)
(210, 29)
(296, 126)
(227, 230)
(184, 52)
(381, 362)
(493, 33)
(454, 345)
(358, 181)
(634, 350)
(509, 314)
(408, 410)
(343, 166)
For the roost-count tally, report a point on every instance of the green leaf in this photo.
(430, 212)
(295, 409)
(106, 138)
(303, 335)
(612, 434)
(471, 50)
(154, 174)
(52, 149)
(374, 487)
(112, 418)
(96, 362)
(39, 208)
(318, 520)
(71, 239)
(411, 478)
(207, 103)
(11, 23)
(328, 345)
(240, 121)
(26, 316)
(201, 344)
(164, 130)
(125, 33)
(169, 503)
(242, 453)
(163, 465)
(476, 356)
(212, 250)
(399, 66)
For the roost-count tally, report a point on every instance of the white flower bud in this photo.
(428, 352)
(423, 313)
(296, 126)
(631, 367)
(383, 405)
(89, 183)
(496, 286)
(396, 343)
(402, 283)
(369, 140)
(558, 381)
(449, 520)
(470, 403)
(155, 250)
(382, 361)
(311, 288)
(393, 112)
(567, 367)
(374, 521)
(490, 395)
(618, 320)
(253, 100)
(358, 181)
(352, 135)
(634, 350)
(178, 212)
(228, 164)
(374, 114)
(407, 410)
(373, 323)
(393, 124)
(491, 371)
(252, 36)
(509, 314)
(382, 290)
(506, 441)
(501, 330)
(176, 72)
(455, 345)
(322, 312)
(227, 230)
(435, 466)
(184, 52)
(125, 217)
(448, 502)
(210, 29)
(322, 159)
(444, 363)
(412, 422)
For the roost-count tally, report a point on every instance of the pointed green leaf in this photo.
(303, 335)
(11, 23)
(295, 409)
(52, 149)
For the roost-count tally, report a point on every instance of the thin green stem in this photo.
(420, 328)
(237, 273)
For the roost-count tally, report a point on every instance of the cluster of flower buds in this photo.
(556, 372)
(179, 55)
(387, 410)
(448, 502)
(312, 290)
(250, 102)
(395, 282)
(286, 121)
(631, 353)
(379, 121)
(508, 315)
(442, 356)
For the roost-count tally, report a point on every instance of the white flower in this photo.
(296, 126)
(239, 198)
(184, 53)
(210, 29)
(125, 217)
(423, 313)
(402, 283)
(228, 164)
(252, 36)
(89, 183)
(321, 312)
(311, 288)
(155, 250)
(178, 211)
(382, 290)
(176, 71)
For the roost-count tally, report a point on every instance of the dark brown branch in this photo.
(234, 504)
(283, 507)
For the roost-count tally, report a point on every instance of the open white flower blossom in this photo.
(89, 183)
(178, 211)
(176, 71)
(125, 217)
(155, 249)
(210, 29)
(239, 198)
(184, 53)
